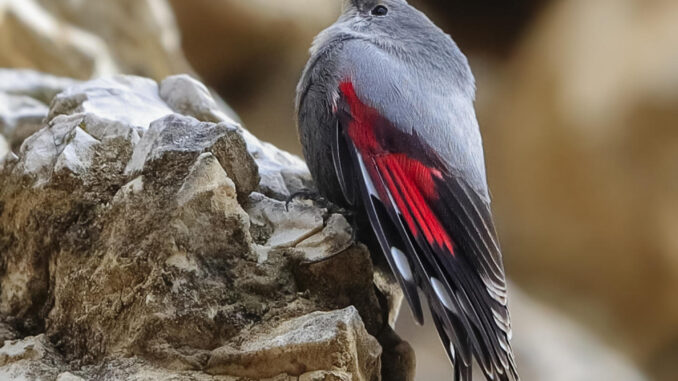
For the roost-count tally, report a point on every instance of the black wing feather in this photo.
(467, 291)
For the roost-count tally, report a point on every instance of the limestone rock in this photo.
(332, 341)
(134, 244)
(126, 99)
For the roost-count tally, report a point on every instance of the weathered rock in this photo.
(31, 358)
(130, 239)
(32, 37)
(318, 341)
(185, 136)
(282, 174)
(325, 376)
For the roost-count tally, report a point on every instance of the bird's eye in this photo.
(380, 10)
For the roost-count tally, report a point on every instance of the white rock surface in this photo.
(34, 84)
(20, 116)
(126, 99)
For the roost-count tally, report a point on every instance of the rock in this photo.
(7, 332)
(63, 146)
(20, 116)
(134, 244)
(187, 96)
(88, 39)
(183, 136)
(282, 174)
(136, 102)
(334, 238)
(325, 376)
(40, 86)
(31, 358)
(68, 376)
(287, 226)
(140, 35)
(4, 147)
(46, 44)
(321, 340)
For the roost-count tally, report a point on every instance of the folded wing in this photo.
(435, 230)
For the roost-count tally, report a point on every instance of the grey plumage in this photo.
(419, 82)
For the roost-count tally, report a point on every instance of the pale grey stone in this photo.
(40, 86)
(127, 99)
(20, 116)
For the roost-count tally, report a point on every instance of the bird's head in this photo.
(389, 22)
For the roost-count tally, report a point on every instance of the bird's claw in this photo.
(306, 195)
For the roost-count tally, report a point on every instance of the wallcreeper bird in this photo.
(386, 118)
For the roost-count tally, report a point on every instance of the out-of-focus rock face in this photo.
(144, 235)
(584, 156)
(83, 39)
(141, 34)
(252, 52)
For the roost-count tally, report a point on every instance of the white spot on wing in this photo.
(442, 294)
(402, 263)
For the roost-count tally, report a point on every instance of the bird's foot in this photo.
(316, 197)
(306, 194)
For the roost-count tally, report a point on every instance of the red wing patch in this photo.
(409, 181)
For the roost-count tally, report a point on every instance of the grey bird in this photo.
(385, 112)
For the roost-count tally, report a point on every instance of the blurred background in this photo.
(578, 105)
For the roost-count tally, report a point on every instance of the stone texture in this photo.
(321, 340)
(136, 241)
(31, 358)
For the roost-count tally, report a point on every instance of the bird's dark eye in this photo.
(380, 10)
